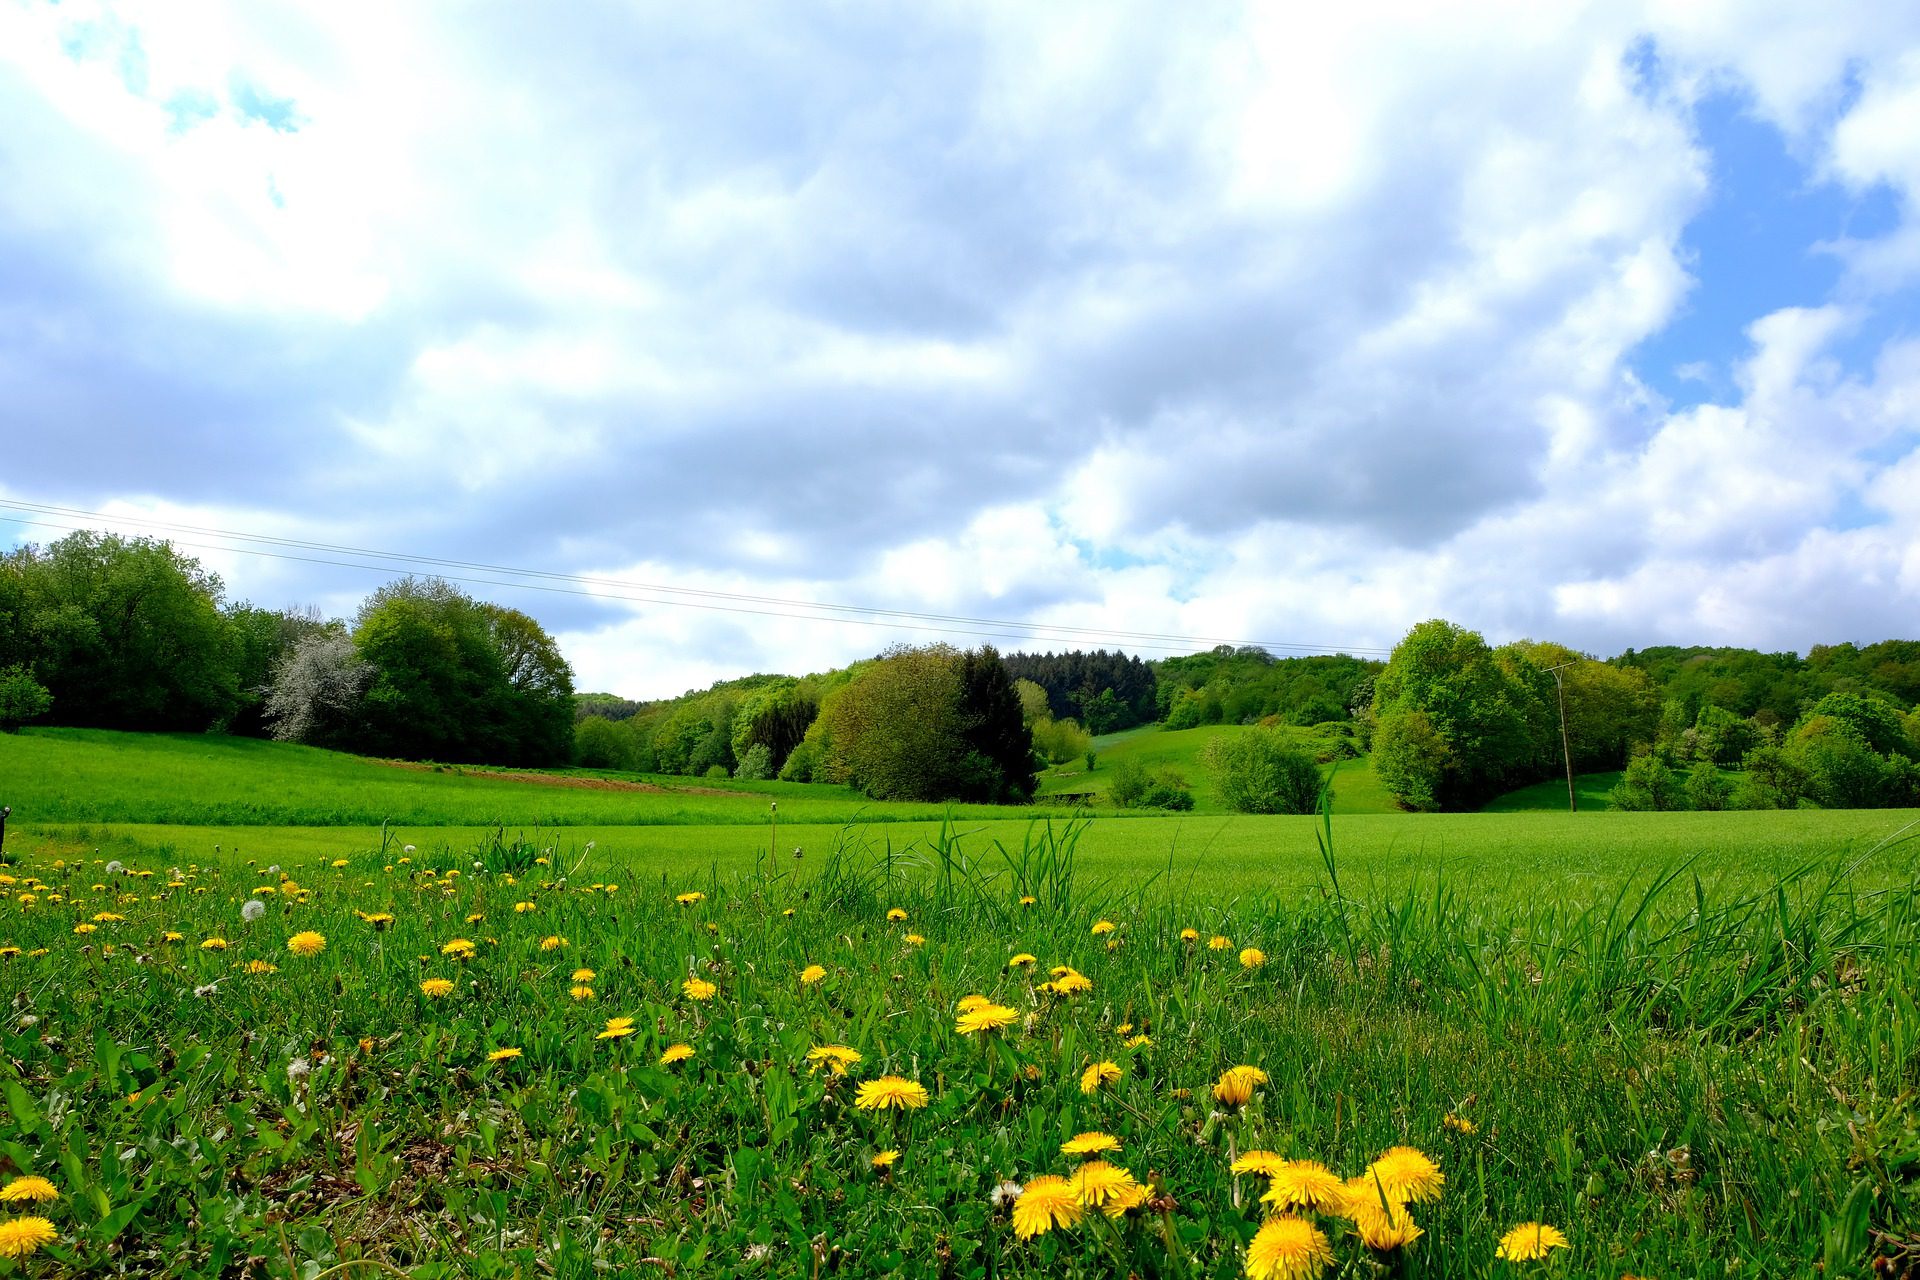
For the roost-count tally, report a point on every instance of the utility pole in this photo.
(1566, 746)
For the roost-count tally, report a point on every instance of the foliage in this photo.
(1707, 788)
(776, 716)
(600, 743)
(123, 632)
(756, 765)
(1104, 691)
(927, 724)
(456, 679)
(1648, 787)
(1228, 685)
(1264, 771)
(22, 698)
(1058, 741)
(1411, 757)
(1133, 784)
(316, 693)
(1484, 710)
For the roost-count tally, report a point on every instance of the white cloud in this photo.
(1295, 325)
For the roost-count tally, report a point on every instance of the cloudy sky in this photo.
(1288, 323)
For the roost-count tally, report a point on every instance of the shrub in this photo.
(22, 698)
(1649, 786)
(1129, 783)
(756, 765)
(1059, 741)
(1707, 788)
(1264, 771)
(716, 772)
(1410, 757)
(801, 764)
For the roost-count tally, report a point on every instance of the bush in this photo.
(1707, 788)
(1648, 787)
(1410, 757)
(1264, 771)
(716, 772)
(1776, 778)
(22, 698)
(1059, 741)
(801, 764)
(756, 765)
(1129, 784)
(1188, 710)
(1168, 791)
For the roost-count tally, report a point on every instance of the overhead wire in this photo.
(604, 588)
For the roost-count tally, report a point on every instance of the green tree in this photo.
(1262, 770)
(1485, 709)
(125, 633)
(1411, 758)
(1648, 786)
(599, 743)
(22, 698)
(1059, 741)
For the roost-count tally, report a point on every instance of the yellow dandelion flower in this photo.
(1531, 1241)
(503, 1055)
(1096, 1184)
(1305, 1184)
(584, 975)
(1101, 927)
(885, 1159)
(1381, 1227)
(28, 1190)
(86, 928)
(967, 1004)
(171, 936)
(1460, 1125)
(307, 943)
(1138, 1042)
(435, 988)
(616, 1028)
(699, 989)
(984, 1018)
(1407, 1175)
(1027, 899)
(676, 1053)
(521, 908)
(1219, 942)
(1072, 982)
(835, 1057)
(476, 917)
(891, 1092)
(24, 1237)
(1046, 1202)
(812, 974)
(338, 863)
(580, 991)
(1252, 958)
(1236, 1085)
(896, 914)
(1263, 1163)
(261, 966)
(1089, 1144)
(1287, 1248)
(914, 940)
(688, 899)
(214, 944)
(459, 949)
(1023, 961)
(1098, 1076)
(553, 942)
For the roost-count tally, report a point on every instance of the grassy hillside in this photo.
(1355, 789)
(90, 775)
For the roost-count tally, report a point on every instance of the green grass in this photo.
(1556, 857)
(1687, 1080)
(1356, 788)
(1589, 792)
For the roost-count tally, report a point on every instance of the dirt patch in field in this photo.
(561, 780)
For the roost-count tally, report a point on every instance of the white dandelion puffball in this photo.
(253, 909)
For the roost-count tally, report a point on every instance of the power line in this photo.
(676, 597)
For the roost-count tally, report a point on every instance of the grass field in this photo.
(1726, 1090)
(1355, 790)
(1688, 1041)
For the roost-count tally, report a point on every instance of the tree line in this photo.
(104, 631)
(1452, 722)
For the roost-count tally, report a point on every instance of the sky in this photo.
(1206, 322)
